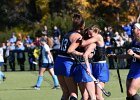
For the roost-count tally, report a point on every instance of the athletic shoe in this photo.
(56, 87)
(36, 87)
(4, 78)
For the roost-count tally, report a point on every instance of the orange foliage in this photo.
(114, 3)
(19, 36)
(132, 17)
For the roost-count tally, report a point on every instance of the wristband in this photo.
(133, 54)
(134, 58)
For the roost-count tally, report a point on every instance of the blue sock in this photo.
(39, 81)
(1, 74)
(55, 80)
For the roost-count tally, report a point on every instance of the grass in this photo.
(18, 87)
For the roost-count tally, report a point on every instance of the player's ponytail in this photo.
(78, 22)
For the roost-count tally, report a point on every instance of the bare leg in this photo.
(91, 90)
(41, 71)
(99, 95)
(83, 91)
(72, 86)
(51, 71)
(65, 95)
(132, 86)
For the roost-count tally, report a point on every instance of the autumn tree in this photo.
(35, 13)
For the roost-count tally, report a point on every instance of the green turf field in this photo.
(18, 87)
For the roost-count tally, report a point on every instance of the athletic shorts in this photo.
(64, 66)
(47, 65)
(100, 71)
(1, 64)
(134, 71)
(80, 74)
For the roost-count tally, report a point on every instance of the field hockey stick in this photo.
(97, 82)
(118, 72)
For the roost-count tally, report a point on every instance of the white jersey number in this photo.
(64, 44)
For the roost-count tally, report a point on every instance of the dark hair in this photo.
(78, 21)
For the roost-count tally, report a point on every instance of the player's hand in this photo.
(80, 38)
(88, 71)
(90, 55)
(130, 52)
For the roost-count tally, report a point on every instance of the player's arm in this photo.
(89, 41)
(133, 54)
(49, 53)
(75, 42)
(87, 54)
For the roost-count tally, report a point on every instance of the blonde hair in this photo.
(19, 36)
(95, 28)
(49, 41)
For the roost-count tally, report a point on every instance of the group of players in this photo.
(78, 60)
(82, 55)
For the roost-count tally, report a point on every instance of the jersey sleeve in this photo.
(47, 48)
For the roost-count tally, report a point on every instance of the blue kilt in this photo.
(80, 74)
(100, 71)
(64, 66)
(134, 71)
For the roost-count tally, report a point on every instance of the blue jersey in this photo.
(80, 58)
(99, 66)
(135, 46)
(134, 71)
(100, 54)
(64, 64)
(65, 44)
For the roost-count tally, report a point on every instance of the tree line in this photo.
(31, 15)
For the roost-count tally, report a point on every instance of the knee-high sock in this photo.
(136, 97)
(55, 80)
(128, 98)
(1, 74)
(39, 81)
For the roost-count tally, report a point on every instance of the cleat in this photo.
(4, 78)
(36, 87)
(56, 87)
